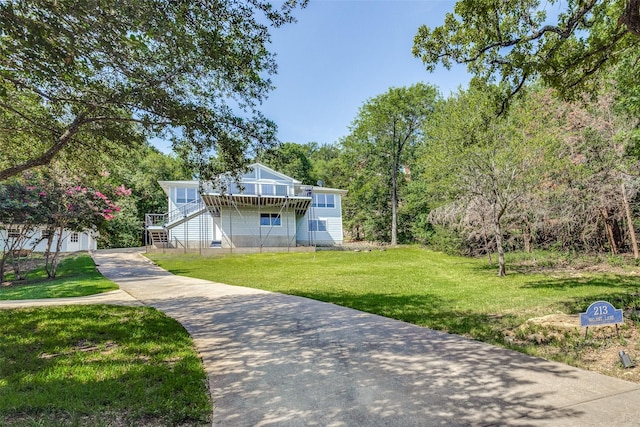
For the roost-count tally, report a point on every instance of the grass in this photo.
(454, 294)
(77, 276)
(100, 366)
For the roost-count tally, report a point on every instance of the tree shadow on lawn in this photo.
(625, 291)
(610, 281)
(68, 363)
(426, 310)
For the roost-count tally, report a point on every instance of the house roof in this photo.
(274, 172)
(166, 185)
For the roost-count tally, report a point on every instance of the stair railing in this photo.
(174, 215)
(184, 211)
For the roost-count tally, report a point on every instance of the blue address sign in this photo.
(601, 313)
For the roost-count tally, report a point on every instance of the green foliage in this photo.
(290, 159)
(481, 167)
(380, 150)
(327, 165)
(78, 74)
(149, 167)
(140, 174)
(568, 45)
(99, 365)
(446, 240)
(125, 229)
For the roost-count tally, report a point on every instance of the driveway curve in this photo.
(278, 360)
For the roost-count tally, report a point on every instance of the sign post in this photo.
(601, 313)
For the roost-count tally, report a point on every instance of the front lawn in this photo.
(77, 276)
(454, 294)
(99, 366)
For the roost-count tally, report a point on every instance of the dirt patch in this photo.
(559, 337)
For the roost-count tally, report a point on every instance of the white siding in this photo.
(242, 228)
(333, 220)
(197, 232)
(86, 241)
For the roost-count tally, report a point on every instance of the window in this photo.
(269, 219)
(233, 188)
(268, 189)
(13, 233)
(317, 225)
(249, 189)
(75, 238)
(324, 201)
(186, 195)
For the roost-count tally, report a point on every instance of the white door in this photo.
(73, 242)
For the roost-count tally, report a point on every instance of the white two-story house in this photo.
(264, 210)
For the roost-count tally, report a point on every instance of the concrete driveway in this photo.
(277, 360)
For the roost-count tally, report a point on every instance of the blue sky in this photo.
(341, 53)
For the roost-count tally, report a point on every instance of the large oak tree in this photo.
(91, 76)
(567, 44)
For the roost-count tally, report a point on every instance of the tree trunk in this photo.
(486, 247)
(609, 231)
(499, 248)
(632, 231)
(394, 206)
(3, 259)
(53, 260)
(526, 235)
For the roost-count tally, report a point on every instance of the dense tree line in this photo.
(547, 174)
(540, 151)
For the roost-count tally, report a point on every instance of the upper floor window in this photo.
(324, 201)
(186, 195)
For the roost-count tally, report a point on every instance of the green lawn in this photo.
(77, 276)
(99, 366)
(94, 365)
(454, 294)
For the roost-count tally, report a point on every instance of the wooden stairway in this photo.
(160, 238)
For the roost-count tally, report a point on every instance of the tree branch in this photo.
(46, 157)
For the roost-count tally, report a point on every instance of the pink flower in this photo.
(123, 191)
(42, 193)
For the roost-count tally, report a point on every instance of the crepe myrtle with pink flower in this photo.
(45, 213)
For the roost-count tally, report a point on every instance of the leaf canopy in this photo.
(567, 44)
(95, 72)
